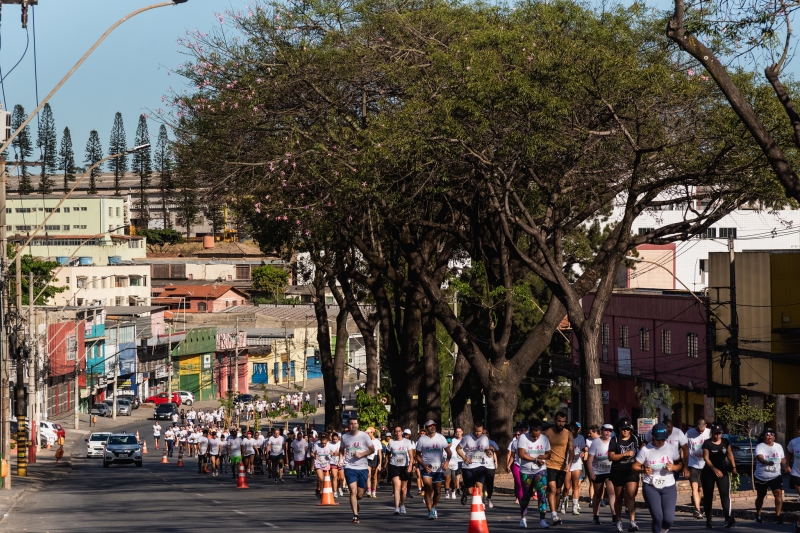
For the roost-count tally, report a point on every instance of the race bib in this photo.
(659, 482)
(435, 467)
(399, 460)
(604, 465)
(323, 463)
(698, 454)
(771, 468)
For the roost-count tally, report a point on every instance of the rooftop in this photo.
(209, 290)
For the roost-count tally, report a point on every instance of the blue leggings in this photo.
(530, 484)
(661, 504)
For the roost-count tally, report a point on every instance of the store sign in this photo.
(162, 371)
(606, 397)
(207, 360)
(644, 425)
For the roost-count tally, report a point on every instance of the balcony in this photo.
(96, 330)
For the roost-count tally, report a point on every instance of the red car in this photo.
(158, 399)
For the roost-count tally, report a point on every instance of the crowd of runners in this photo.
(548, 466)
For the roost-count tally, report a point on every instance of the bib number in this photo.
(604, 466)
(771, 468)
(435, 467)
(400, 460)
(659, 482)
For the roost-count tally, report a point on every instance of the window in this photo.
(23, 209)
(201, 306)
(604, 353)
(66, 227)
(82, 208)
(711, 233)
(135, 281)
(94, 282)
(83, 226)
(8, 210)
(80, 282)
(119, 300)
(120, 281)
(67, 280)
(645, 231)
(56, 227)
(691, 344)
(52, 209)
(644, 339)
(104, 283)
(66, 209)
(242, 271)
(23, 228)
(118, 211)
(724, 233)
(110, 212)
(702, 265)
(623, 336)
(666, 341)
(604, 334)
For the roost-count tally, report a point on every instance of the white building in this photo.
(103, 285)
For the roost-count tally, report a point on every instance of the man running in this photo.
(235, 451)
(401, 460)
(169, 438)
(561, 456)
(202, 452)
(695, 438)
(430, 447)
(473, 450)
(277, 454)
(357, 447)
(157, 433)
(299, 447)
(214, 445)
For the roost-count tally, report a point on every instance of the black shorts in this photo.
(794, 482)
(373, 463)
(622, 476)
(601, 478)
(763, 486)
(277, 458)
(556, 475)
(398, 471)
(474, 475)
(694, 475)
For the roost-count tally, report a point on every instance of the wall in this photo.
(649, 276)
(94, 289)
(65, 346)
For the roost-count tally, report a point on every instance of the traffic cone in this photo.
(327, 492)
(477, 517)
(164, 459)
(137, 437)
(144, 447)
(180, 459)
(241, 481)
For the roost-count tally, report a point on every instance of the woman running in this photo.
(248, 452)
(512, 465)
(658, 461)
(622, 451)
(719, 464)
(401, 459)
(770, 464)
(599, 468)
(533, 450)
(321, 454)
(214, 446)
(573, 483)
(337, 474)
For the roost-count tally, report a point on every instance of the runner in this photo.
(718, 463)
(169, 438)
(491, 467)
(622, 451)
(401, 458)
(658, 461)
(321, 453)
(277, 454)
(260, 459)
(374, 462)
(248, 452)
(357, 447)
(594, 433)
(430, 448)
(677, 438)
(512, 464)
(452, 474)
(299, 448)
(473, 450)
(336, 472)
(223, 451)
(793, 449)
(319, 399)
(695, 438)
(533, 450)
(561, 457)
(573, 485)
(770, 464)
(234, 445)
(214, 445)
(157, 433)
(202, 451)
(599, 468)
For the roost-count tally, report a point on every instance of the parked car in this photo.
(95, 444)
(48, 434)
(186, 396)
(165, 411)
(164, 397)
(246, 398)
(122, 448)
(101, 409)
(347, 415)
(135, 401)
(123, 406)
(744, 449)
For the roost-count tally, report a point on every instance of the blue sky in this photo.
(127, 73)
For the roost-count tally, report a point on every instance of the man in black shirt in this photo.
(718, 457)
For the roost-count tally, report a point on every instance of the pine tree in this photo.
(143, 166)
(23, 149)
(163, 163)
(47, 143)
(66, 159)
(94, 153)
(116, 145)
(186, 198)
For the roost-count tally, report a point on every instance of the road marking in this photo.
(238, 511)
(198, 494)
(270, 525)
(215, 501)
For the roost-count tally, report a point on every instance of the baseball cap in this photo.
(716, 428)
(429, 423)
(608, 426)
(625, 424)
(406, 431)
(578, 424)
(660, 432)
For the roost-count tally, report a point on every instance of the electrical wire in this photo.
(2, 77)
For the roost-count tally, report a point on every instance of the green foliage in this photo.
(650, 402)
(42, 278)
(47, 145)
(23, 149)
(539, 400)
(228, 403)
(66, 159)
(743, 419)
(271, 280)
(143, 166)
(160, 239)
(117, 144)
(94, 153)
(186, 197)
(163, 164)
(371, 411)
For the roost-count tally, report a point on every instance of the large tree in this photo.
(23, 149)
(66, 159)
(118, 144)
(143, 166)
(163, 165)
(47, 144)
(94, 153)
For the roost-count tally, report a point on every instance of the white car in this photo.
(187, 398)
(95, 444)
(48, 434)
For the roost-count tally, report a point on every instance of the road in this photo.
(166, 498)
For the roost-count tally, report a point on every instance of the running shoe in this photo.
(759, 520)
(543, 524)
(355, 519)
(731, 523)
(596, 521)
(709, 525)
(618, 524)
(396, 511)
(633, 527)
(402, 509)
(602, 503)
(489, 503)
(464, 497)
(697, 514)
(563, 507)
(447, 495)
(430, 515)
(576, 509)
(523, 523)
(557, 521)
(435, 513)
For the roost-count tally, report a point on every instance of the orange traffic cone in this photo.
(144, 446)
(137, 437)
(180, 459)
(164, 459)
(477, 518)
(327, 492)
(241, 481)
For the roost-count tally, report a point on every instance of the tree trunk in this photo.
(501, 401)
(430, 384)
(333, 391)
(371, 349)
(590, 371)
(405, 391)
(340, 357)
(367, 329)
(460, 411)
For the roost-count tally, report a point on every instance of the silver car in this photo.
(743, 448)
(95, 444)
(123, 406)
(122, 448)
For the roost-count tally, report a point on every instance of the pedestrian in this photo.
(214, 445)
(169, 438)
(321, 452)
(622, 450)
(573, 484)
(770, 464)
(235, 451)
(357, 447)
(512, 464)
(336, 472)
(276, 445)
(202, 452)
(491, 468)
(658, 462)
(308, 398)
(299, 448)
(676, 437)
(718, 463)
(599, 467)
(319, 399)
(224, 459)
(430, 447)
(695, 438)
(400, 451)
(157, 433)
(793, 450)
(473, 450)
(533, 450)
(452, 474)
(593, 433)
(374, 461)
(561, 455)
(248, 452)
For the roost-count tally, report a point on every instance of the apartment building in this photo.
(118, 285)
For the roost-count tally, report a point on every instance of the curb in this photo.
(14, 501)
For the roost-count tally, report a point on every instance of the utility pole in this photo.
(20, 350)
(733, 338)
(236, 360)
(116, 371)
(77, 421)
(32, 393)
(5, 397)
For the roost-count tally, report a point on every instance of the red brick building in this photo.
(199, 298)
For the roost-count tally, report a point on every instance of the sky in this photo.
(127, 73)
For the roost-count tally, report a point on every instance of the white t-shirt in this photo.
(601, 464)
(431, 449)
(773, 455)
(658, 459)
(534, 448)
(156, 430)
(474, 449)
(260, 441)
(695, 441)
(299, 447)
(275, 445)
(578, 444)
(794, 448)
(455, 457)
(169, 435)
(235, 447)
(512, 449)
(322, 455)
(399, 450)
(249, 445)
(376, 444)
(202, 444)
(353, 444)
(490, 461)
(213, 446)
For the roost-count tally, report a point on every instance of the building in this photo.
(116, 285)
(65, 363)
(206, 298)
(231, 362)
(193, 362)
(201, 271)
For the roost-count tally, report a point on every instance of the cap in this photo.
(406, 432)
(625, 424)
(430, 423)
(578, 424)
(660, 432)
(608, 426)
(716, 428)
(388, 434)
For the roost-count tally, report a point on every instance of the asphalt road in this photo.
(166, 498)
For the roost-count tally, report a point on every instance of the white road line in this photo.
(198, 494)
(214, 501)
(238, 511)
(270, 525)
